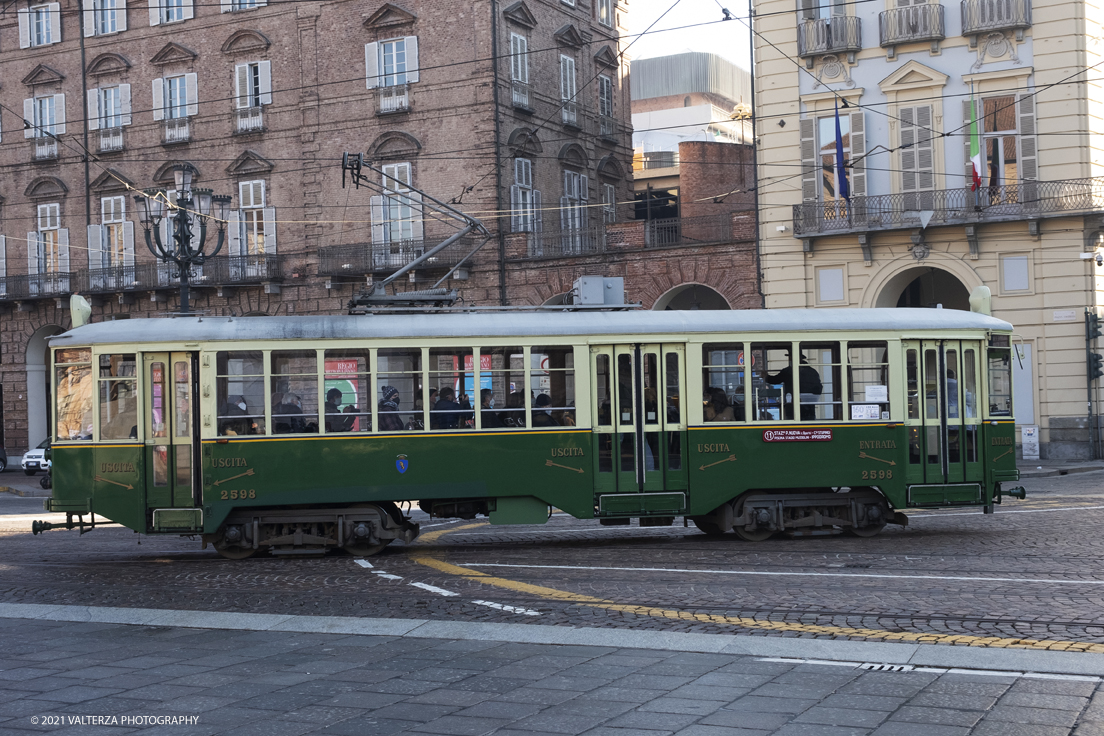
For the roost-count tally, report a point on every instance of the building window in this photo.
(110, 107)
(254, 84)
(573, 212)
(391, 63)
(519, 69)
(244, 5)
(172, 10)
(826, 136)
(396, 186)
(609, 203)
(49, 238)
(105, 17)
(605, 12)
(41, 27)
(567, 90)
(823, 9)
(113, 214)
(916, 152)
(45, 116)
(605, 96)
(396, 218)
(176, 97)
(251, 198)
(523, 198)
(998, 141)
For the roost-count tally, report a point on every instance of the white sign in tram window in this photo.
(865, 411)
(877, 393)
(830, 283)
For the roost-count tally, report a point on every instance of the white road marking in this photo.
(936, 670)
(443, 523)
(433, 589)
(510, 609)
(585, 530)
(792, 574)
(364, 563)
(387, 575)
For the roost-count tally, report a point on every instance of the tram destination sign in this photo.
(797, 435)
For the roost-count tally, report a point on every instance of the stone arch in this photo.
(952, 280)
(165, 177)
(557, 300)
(610, 168)
(394, 144)
(691, 296)
(38, 384)
(109, 63)
(525, 141)
(46, 187)
(572, 154)
(244, 40)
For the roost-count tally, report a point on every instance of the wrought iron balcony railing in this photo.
(1026, 200)
(982, 16)
(570, 113)
(395, 98)
(249, 269)
(45, 149)
(606, 127)
(361, 259)
(36, 286)
(110, 140)
(249, 120)
(176, 130)
(521, 95)
(664, 233)
(217, 271)
(829, 35)
(911, 24)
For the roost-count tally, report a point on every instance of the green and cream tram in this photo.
(301, 434)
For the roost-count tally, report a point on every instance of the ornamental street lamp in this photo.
(192, 210)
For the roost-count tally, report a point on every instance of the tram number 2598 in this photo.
(251, 493)
(868, 475)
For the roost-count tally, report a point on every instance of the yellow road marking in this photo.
(749, 623)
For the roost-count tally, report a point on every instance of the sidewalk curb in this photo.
(916, 654)
(1054, 472)
(33, 493)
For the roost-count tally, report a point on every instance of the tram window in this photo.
(625, 401)
(501, 388)
(931, 387)
(1000, 382)
(723, 382)
(399, 389)
(348, 371)
(118, 397)
(452, 373)
(602, 385)
(650, 370)
(951, 368)
(240, 392)
(74, 394)
(912, 371)
(294, 400)
(673, 405)
(552, 386)
(868, 379)
(969, 382)
(820, 389)
(914, 444)
(771, 381)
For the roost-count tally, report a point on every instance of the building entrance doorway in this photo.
(691, 296)
(925, 287)
(39, 419)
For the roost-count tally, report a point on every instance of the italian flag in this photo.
(975, 145)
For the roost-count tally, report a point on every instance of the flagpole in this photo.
(975, 151)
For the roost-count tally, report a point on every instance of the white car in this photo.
(35, 460)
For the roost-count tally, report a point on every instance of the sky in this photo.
(728, 39)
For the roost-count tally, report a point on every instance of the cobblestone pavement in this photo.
(1029, 572)
(61, 677)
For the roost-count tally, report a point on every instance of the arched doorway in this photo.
(691, 296)
(926, 287)
(38, 384)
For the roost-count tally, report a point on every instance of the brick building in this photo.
(516, 112)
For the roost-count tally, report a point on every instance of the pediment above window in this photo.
(525, 141)
(46, 187)
(389, 16)
(110, 182)
(606, 57)
(246, 40)
(569, 35)
(913, 75)
(164, 177)
(520, 13)
(43, 74)
(173, 53)
(611, 168)
(572, 154)
(394, 144)
(250, 163)
(105, 64)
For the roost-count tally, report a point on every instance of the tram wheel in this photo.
(870, 530)
(757, 535)
(708, 527)
(366, 550)
(235, 553)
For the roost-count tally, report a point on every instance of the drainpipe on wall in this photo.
(755, 160)
(84, 126)
(502, 300)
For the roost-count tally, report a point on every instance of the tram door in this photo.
(640, 417)
(943, 415)
(172, 447)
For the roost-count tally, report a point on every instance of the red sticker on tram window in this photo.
(797, 435)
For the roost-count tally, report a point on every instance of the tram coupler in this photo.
(45, 526)
(1018, 492)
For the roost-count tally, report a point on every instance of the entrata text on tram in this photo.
(299, 435)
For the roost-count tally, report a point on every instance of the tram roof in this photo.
(524, 324)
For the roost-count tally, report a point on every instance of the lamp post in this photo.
(192, 209)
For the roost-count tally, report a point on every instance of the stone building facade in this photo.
(516, 113)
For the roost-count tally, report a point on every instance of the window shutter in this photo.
(925, 153)
(24, 15)
(32, 253)
(124, 104)
(371, 65)
(120, 15)
(270, 230)
(166, 238)
(89, 19)
(907, 120)
(59, 112)
(233, 233)
(515, 211)
(858, 149)
(191, 82)
(93, 109)
(95, 247)
(378, 224)
(55, 22)
(565, 218)
(538, 212)
(128, 244)
(1025, 113)
(264, 72)
(417, 230)
(967, 169)
(584, 188)
(159, 99)
(411, 58)
(241, 85)
(188, 10)
(3, 260)
(809, 167)
(63, 250)
(29, 117)
(155, 12)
